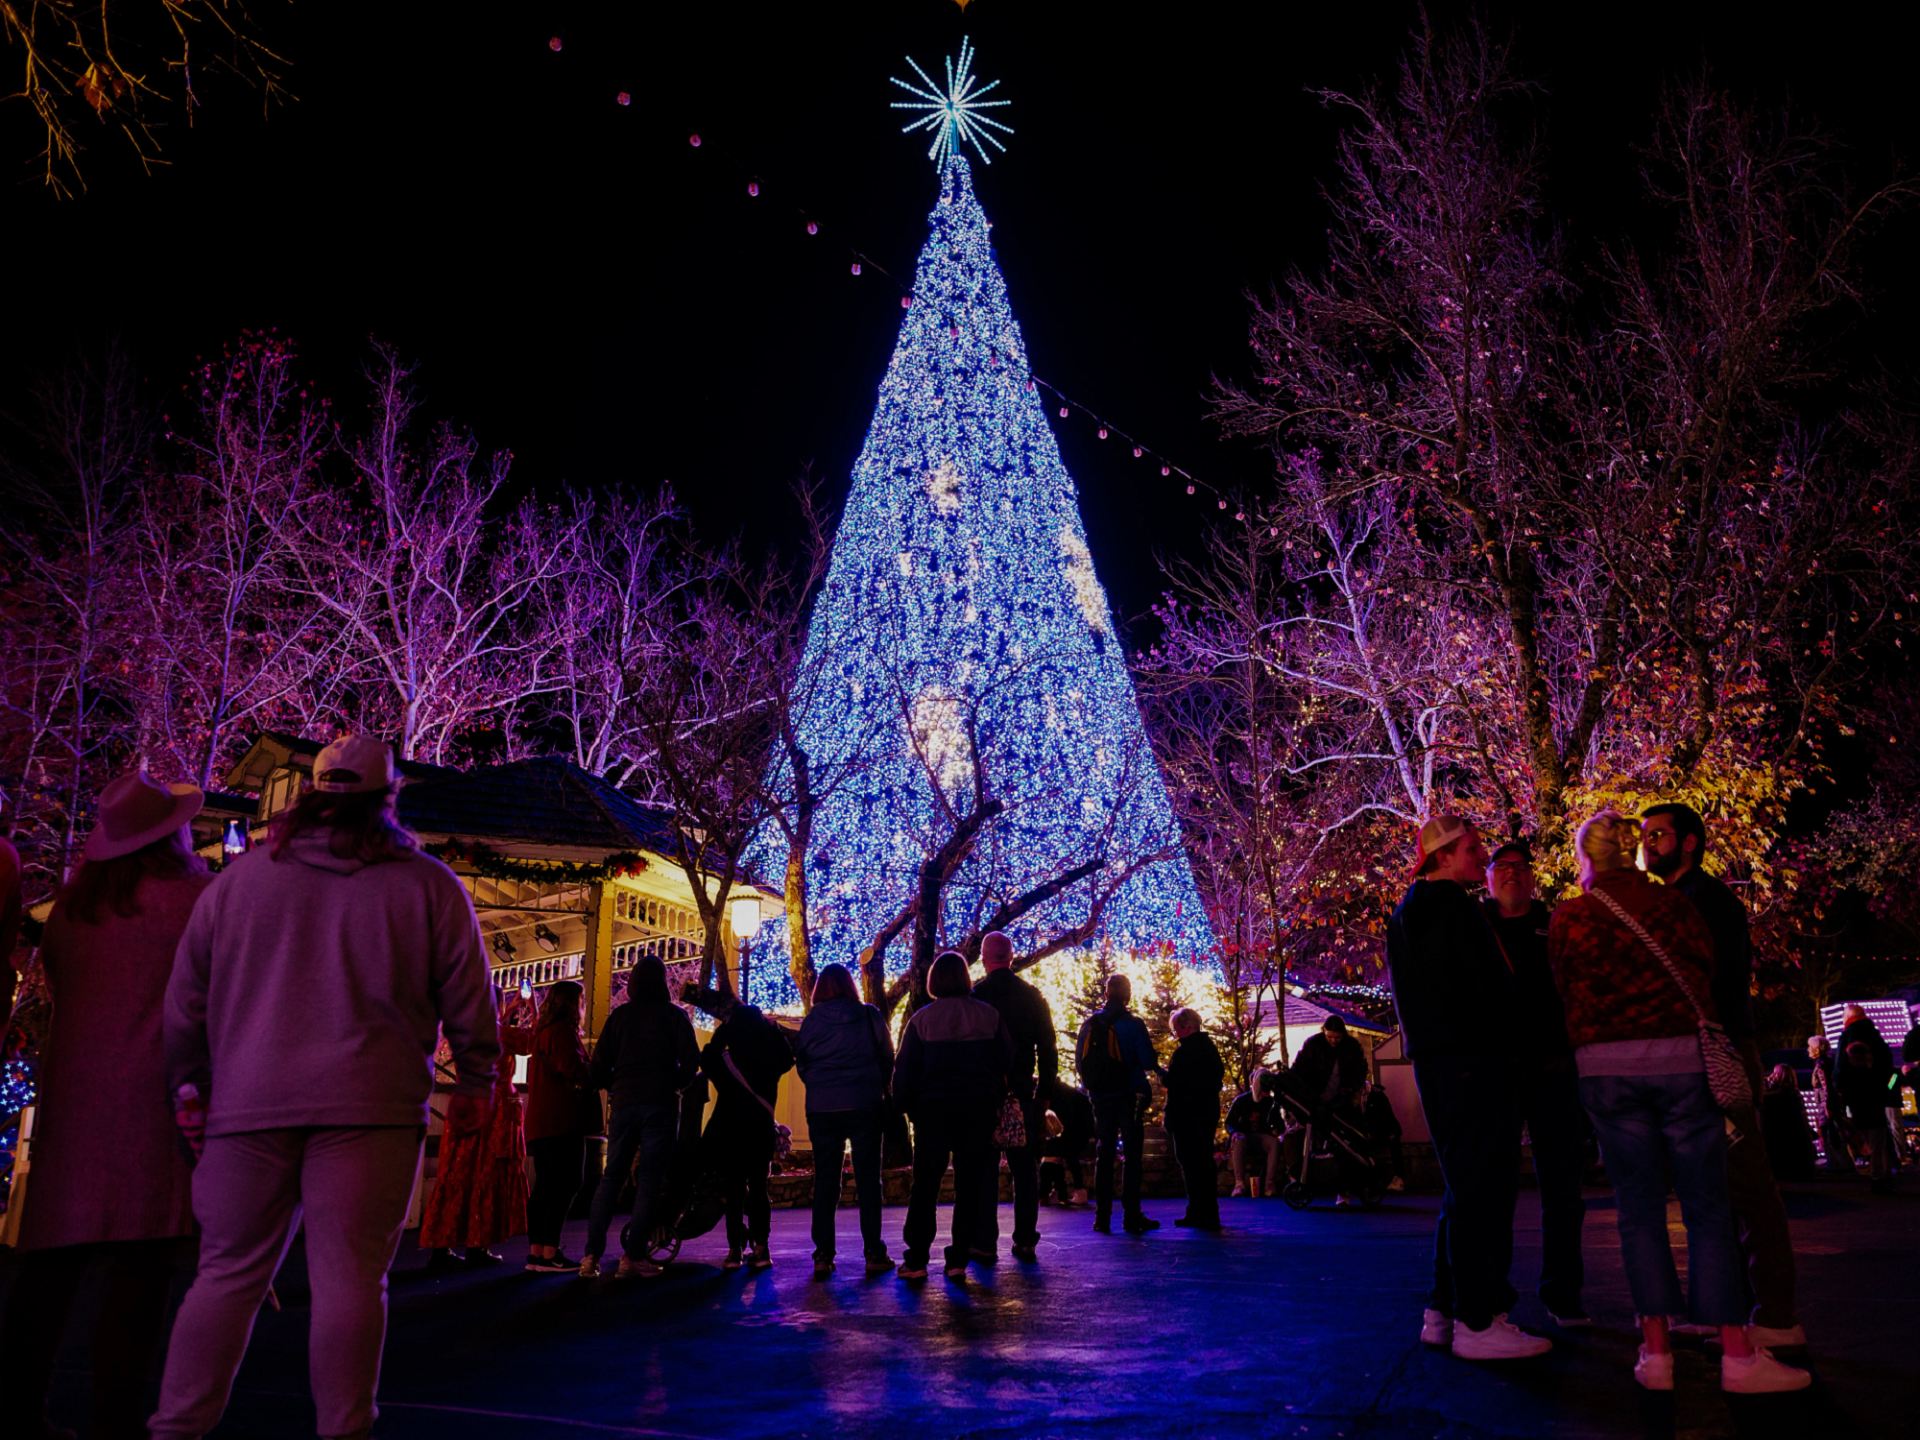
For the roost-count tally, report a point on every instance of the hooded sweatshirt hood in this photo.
(315, 848)
(845, 1055)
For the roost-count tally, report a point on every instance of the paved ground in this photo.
(1289, 1327)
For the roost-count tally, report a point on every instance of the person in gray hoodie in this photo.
(306, 1001)
(846, 1058)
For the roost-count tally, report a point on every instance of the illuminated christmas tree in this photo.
(963, 639)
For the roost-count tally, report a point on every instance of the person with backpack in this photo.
(1114, 1054)
(845, 1057)
(1036, 1064)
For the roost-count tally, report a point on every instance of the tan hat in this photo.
(1436, 835)
(353, 763)
(136, 810)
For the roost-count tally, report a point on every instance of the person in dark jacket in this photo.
(1036, 1064)
(845, 1057)
(561, 1113)
(1865, 1075)
(1194, 1077)
(1255, 1125)
(745, 1059)
(645, 1057)
(1115, 1055)
(951, 1077)
(1458, 1020)
(1331, 1067)
(1550, 1105)
(1673, 842)
(1783, 1119)
(1063, 1180)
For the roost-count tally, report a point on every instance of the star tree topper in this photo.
(953, 117)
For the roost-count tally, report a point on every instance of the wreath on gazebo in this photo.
(485, 861)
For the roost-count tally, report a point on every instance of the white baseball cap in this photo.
(353, 763)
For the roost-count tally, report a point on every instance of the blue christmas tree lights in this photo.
(962, 617)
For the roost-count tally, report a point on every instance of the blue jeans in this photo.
(648, 1133)
(1473, 1111)
(1650, 1127)
(832, 1131)
(1557, 1125)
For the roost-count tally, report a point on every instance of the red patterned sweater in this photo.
(1614, 987)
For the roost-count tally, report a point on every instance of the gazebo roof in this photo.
(545, 801)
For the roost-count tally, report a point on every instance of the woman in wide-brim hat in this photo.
(110, 1179)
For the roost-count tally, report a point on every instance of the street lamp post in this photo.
(744, 916)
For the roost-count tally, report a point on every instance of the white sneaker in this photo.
(1435, 1328)
(1654, 1372)
(1499, 1341)
(1793, 1337)
(1238, 1192)
(1760, 1374)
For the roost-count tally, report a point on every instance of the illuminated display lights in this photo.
(961, 586)
(953, 117)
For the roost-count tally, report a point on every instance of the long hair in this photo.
(362, 823)
(113, 883)
(562, 1005)
(834, 983)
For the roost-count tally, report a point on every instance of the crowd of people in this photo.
(243, 1056)
(1625, 1013)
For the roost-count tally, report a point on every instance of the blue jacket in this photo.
(1136, 1050)
(845, 1056)
(954, 1051)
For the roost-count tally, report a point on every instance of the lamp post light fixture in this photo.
(743, 914)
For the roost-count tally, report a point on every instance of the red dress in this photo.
(480, 1188)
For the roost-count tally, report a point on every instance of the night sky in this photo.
(586, 289)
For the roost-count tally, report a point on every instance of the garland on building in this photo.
(489, 863)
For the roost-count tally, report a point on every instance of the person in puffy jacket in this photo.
(951, 1077)
(845, 1056)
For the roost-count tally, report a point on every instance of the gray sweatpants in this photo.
(250, 1193)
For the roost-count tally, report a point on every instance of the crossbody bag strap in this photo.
(1659, 951)
(727, 1055)
(880, 1059)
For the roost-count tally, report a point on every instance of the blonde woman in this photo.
(1634, 961)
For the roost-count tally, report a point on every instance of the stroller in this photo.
(1336, 1156)
(691, 1204)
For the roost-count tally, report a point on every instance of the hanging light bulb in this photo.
(812, 229)
(1138, 452)
(1166, 470)
(554, 44)
(753, 187)
(623, 98)
(694, 141)
(1063, 412)
(1103, 432)
(905, 301)
(856, 267)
